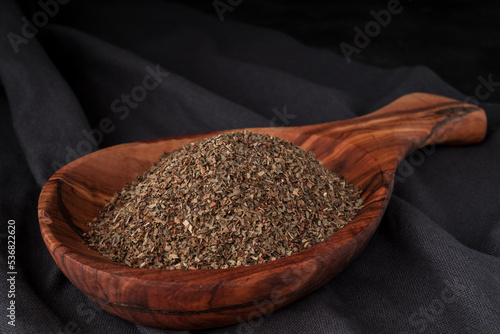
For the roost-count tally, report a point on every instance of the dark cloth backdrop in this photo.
(433, 265)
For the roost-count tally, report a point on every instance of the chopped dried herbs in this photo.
(236, 199)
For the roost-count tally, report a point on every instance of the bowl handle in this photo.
(407, 124)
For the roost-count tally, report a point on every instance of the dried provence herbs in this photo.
(236, 199)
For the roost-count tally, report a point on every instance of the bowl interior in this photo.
(86, 184)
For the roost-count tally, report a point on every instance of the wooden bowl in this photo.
(364, 150)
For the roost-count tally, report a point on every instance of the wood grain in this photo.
(365, 150)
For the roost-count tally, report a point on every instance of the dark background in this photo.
(459, 40)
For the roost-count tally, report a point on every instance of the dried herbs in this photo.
(236, 199)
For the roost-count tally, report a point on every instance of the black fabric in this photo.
(433, 265)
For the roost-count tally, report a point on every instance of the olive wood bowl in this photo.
(364, 150)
